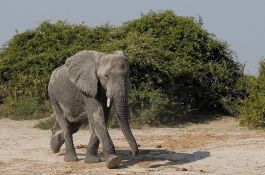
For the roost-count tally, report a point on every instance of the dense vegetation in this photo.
(252, 110)
(176, 66)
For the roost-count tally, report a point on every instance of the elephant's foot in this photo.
(56, 143)
(113, 162)
(92, 159)
(70, 157)
(135, 152)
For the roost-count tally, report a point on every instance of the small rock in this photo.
(67, 172)
(80, 146)
(158, 146)
(181, 169)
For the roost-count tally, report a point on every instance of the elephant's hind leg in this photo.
(57, 140)
(65, 136)
(70, 154)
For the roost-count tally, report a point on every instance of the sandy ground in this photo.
(216, 147)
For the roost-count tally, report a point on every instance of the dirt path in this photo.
(217, 147)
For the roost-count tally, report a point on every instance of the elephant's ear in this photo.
(82, 71)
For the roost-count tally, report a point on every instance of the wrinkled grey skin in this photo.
(78, 92)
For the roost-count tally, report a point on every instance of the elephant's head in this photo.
(89, 69)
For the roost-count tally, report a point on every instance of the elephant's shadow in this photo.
(152, 155)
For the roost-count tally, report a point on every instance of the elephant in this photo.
(83, 90)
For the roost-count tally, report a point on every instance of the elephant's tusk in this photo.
(108, 102)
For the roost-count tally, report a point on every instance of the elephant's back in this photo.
(63, 92)
(60, 85)
(58, 76)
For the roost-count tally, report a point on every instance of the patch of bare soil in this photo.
(215, 147)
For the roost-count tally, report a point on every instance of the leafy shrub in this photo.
(28, 108)
(175, 56)
(252, 110)
(150, 105)
(46, 124)
(4, 110)
(176, 65)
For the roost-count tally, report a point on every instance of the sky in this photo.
(239, 22)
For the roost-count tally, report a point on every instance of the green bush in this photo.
(252, 110)
(150, 105)
(46, 124)
(28, 108)
(177, 57)
(4, 110)
(176, 65)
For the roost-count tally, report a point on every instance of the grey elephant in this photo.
(84, 89)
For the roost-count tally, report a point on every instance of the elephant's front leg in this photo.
(93, 145)
(97, 122)
(92, 148)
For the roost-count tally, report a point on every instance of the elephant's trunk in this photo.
(121, 106)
